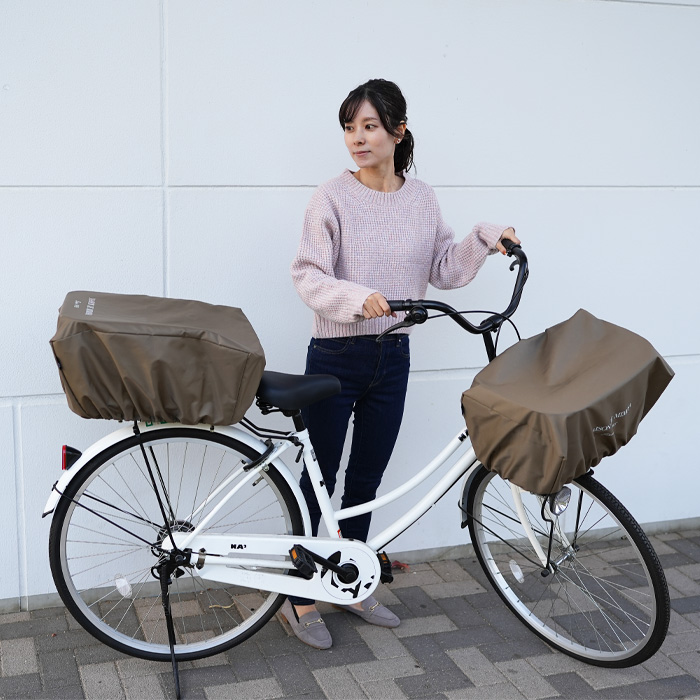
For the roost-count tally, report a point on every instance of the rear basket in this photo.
(132, 357)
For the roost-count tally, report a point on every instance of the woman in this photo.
(369, 235)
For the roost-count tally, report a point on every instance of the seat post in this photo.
(298, 421)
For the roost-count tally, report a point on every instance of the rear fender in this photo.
(127, 432)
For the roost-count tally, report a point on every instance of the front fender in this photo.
(127, 432)
(471, 477)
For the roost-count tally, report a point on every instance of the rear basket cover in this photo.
(552, 406)
(132, 357)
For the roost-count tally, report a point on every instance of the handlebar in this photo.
(417, 311)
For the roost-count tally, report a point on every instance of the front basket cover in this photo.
(133, 357)
(552, 406)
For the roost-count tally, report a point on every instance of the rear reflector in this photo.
(70, 457)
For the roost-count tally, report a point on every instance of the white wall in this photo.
(170, 147)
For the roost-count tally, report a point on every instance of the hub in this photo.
(177, 526)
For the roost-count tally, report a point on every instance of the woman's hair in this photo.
(390, 104)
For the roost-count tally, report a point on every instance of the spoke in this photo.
(612, 603)
(621, 589)
(507, 503)
(110, 584)
(212, 488)
(114, 607)
(134, 517)
(75, 557)
(594, 553)
(586, 616)
(75, 574)
(147, 617)
(247, 520)
(155, 598)
(514, 518)
(182, 476)
(517, 534)
(536, 564)
(118, 495)
(109, 486)
(597, 601)
(102, 544)
(124, 481)
(116, 539)
(197, 581)
(131, 606)
(166, 493)
(583, 519)
(545, 589)
(199, 480)
(632, 574)
(90, 510)
(167, 461)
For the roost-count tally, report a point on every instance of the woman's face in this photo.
(369, 143)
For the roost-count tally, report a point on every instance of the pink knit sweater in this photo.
(357, 241)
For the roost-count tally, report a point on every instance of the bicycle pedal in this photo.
(385, 565)
(303, 561)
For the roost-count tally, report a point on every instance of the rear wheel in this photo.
(606, 601)
(107, 530)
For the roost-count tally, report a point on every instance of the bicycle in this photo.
(173, 542)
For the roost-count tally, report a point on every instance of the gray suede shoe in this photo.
(374, 613)
(309, 628)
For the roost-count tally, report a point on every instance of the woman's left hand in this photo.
(509, 233)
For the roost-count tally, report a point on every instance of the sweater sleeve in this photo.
(313, 268)
(456, 264)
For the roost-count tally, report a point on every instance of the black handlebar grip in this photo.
(400, 305)
(509, 245)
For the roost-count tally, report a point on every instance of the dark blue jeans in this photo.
(373, 376)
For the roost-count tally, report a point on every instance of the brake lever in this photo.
(517, 261)
(510, 251)
(416, 315)
(401, 324)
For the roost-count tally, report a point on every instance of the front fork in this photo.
(548, 565)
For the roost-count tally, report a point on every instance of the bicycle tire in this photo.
(606, 603)
(104, 528)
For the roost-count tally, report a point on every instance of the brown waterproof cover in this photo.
(552, 406)
(133, 357)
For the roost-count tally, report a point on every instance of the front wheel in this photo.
(604, 601)
(106, 533)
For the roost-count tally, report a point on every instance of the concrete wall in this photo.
(170, 147)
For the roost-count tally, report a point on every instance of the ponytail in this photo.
(403, 155)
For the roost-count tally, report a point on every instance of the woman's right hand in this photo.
(376, 306)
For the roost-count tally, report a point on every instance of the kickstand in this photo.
(165, 581)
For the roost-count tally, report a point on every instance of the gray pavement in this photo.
(456, 641)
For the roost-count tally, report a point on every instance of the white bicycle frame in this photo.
(257, 557)
(331, 518)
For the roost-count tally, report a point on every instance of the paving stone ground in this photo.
(456, 641)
